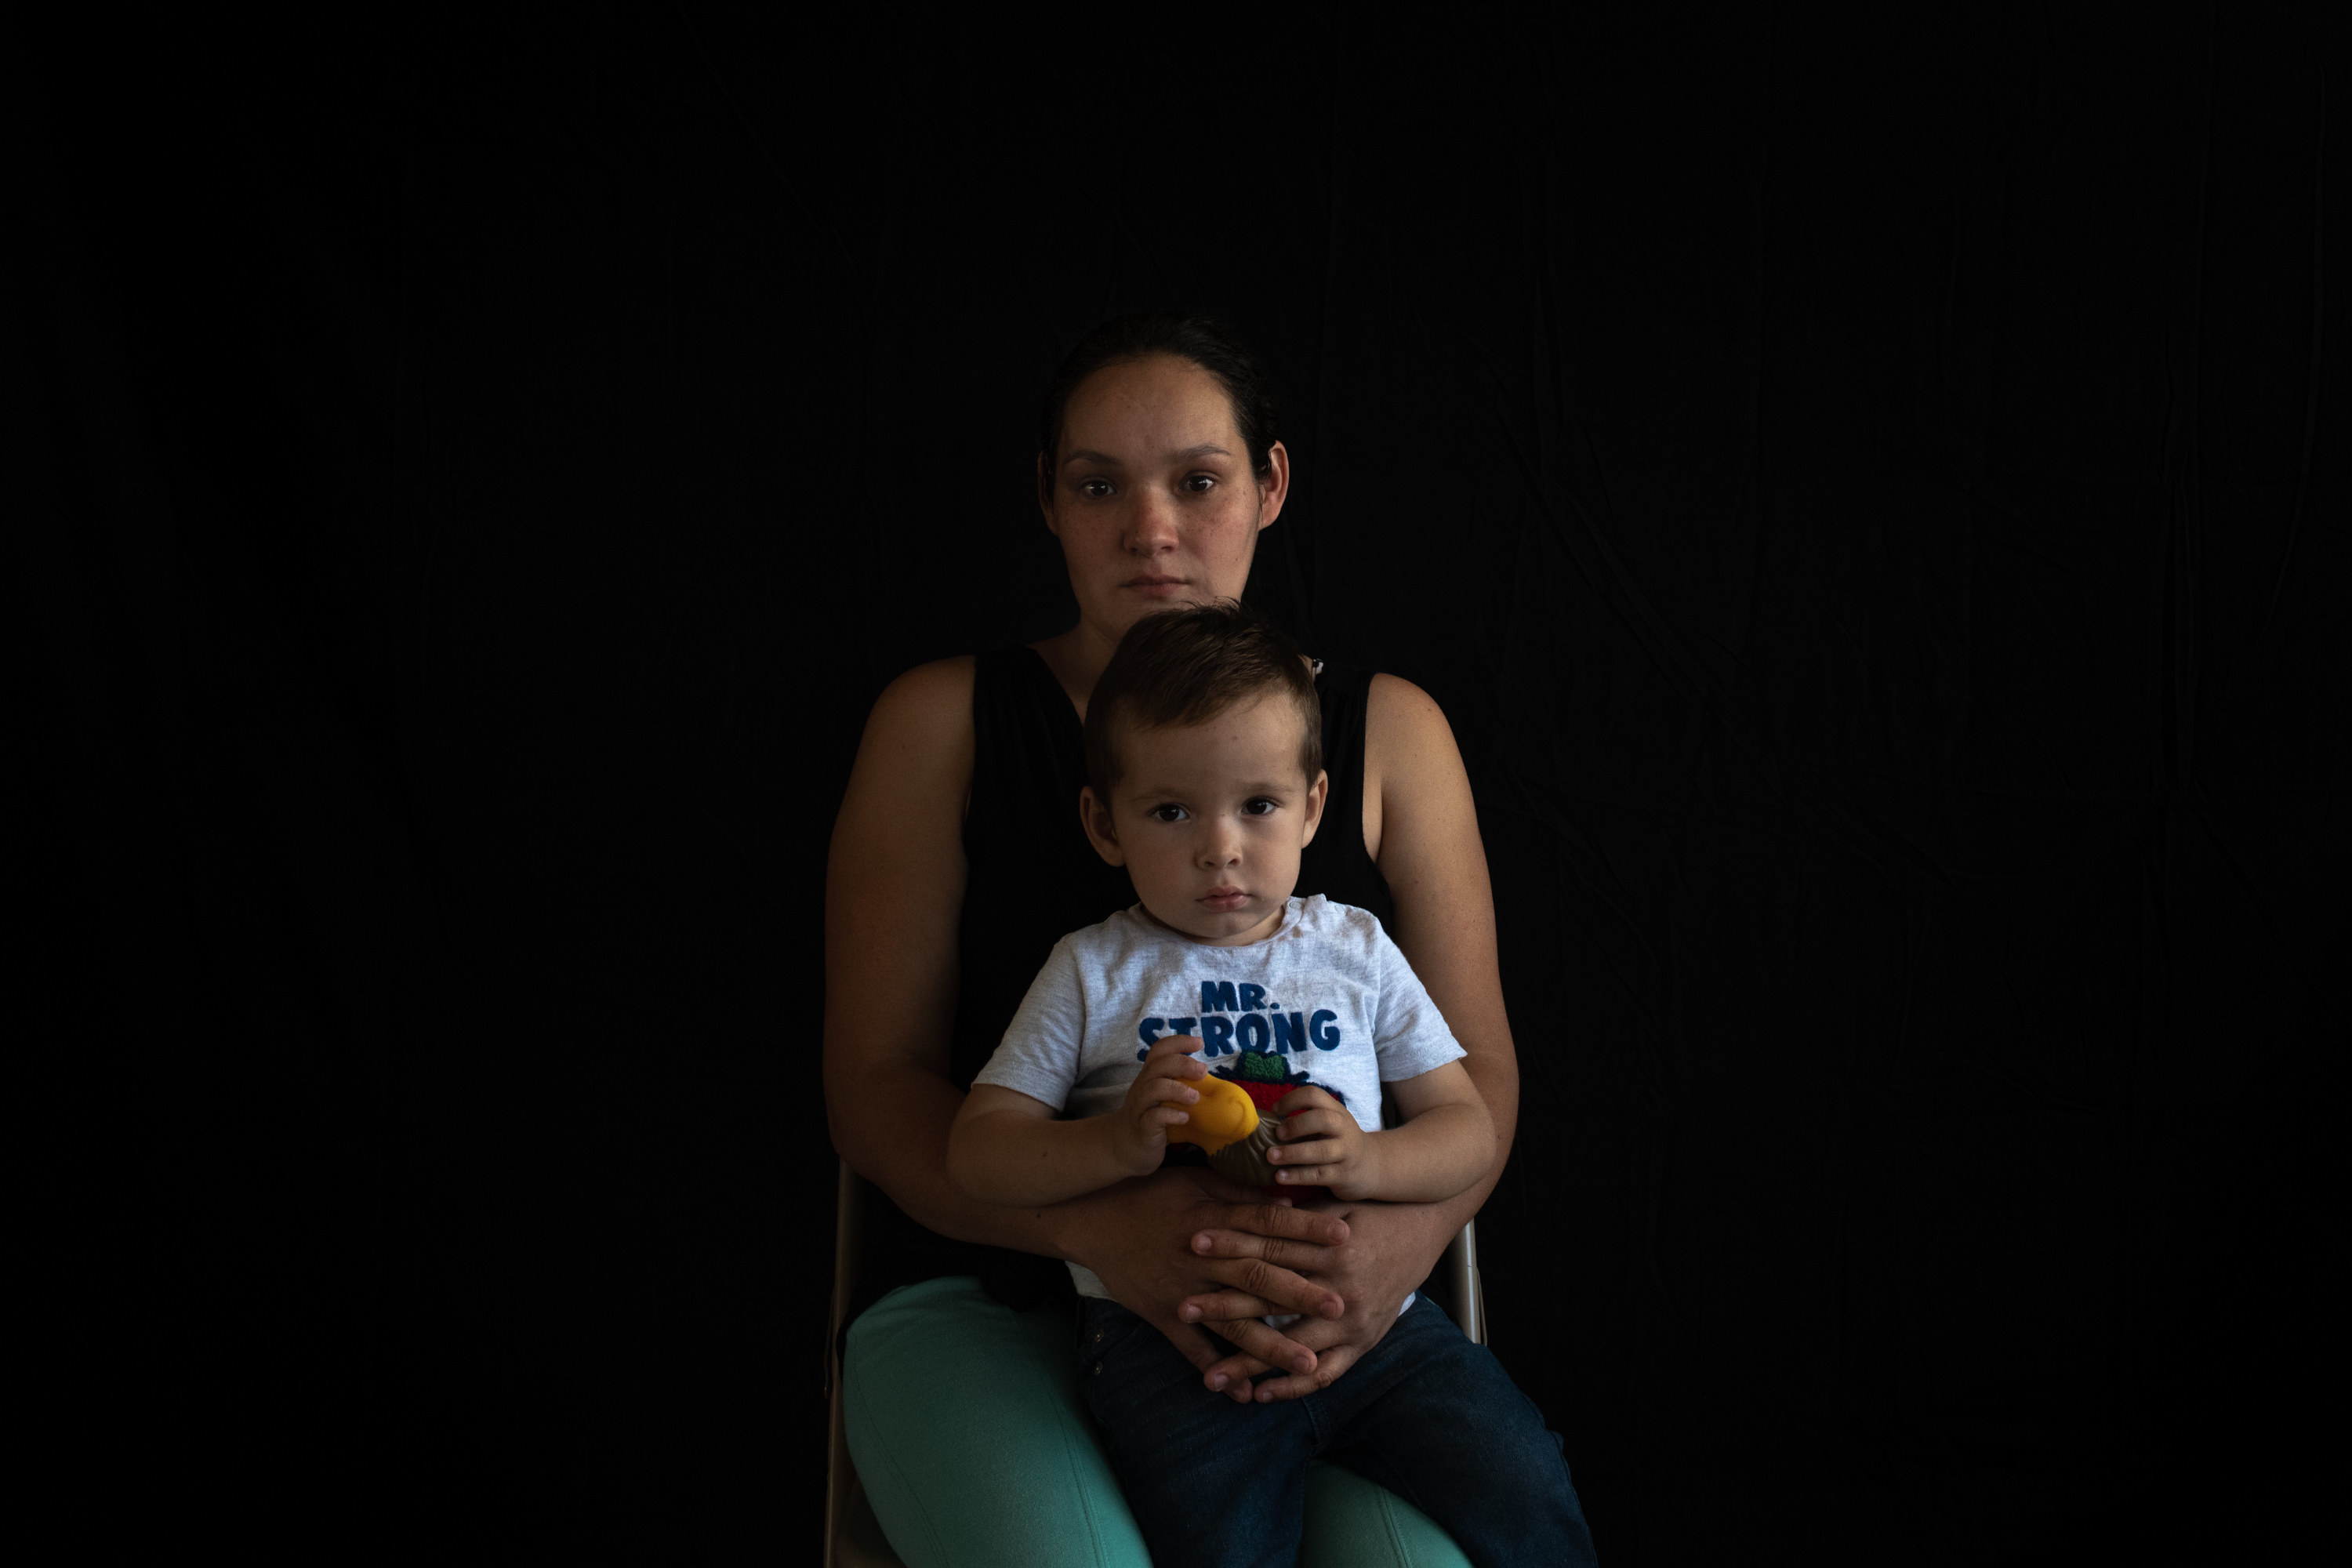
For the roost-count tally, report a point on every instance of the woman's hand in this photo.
(1388, 1250)
(1152, 1244)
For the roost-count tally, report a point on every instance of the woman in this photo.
(956, 864)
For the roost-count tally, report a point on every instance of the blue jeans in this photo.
(1427, 1414)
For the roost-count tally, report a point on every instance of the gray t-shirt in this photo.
(1327, 1000)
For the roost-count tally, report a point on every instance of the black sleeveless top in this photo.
(1033, 879)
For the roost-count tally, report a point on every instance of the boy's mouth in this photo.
(1224, 900)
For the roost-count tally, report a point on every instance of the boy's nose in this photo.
(1221, 849)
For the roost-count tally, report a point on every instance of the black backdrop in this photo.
(1871, 504)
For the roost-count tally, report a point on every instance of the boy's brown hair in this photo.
(1180, 667)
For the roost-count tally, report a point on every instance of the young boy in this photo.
(1203, 755)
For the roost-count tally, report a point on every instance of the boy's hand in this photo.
(1322, 1146)
(1156, 1102)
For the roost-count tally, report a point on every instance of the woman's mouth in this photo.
(1224, 900)
(1156, 586)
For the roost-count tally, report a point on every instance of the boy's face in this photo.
(1209, 820)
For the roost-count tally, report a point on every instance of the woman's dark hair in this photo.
(1200, 339)
(1180, 667)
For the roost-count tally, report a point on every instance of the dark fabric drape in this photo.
(1869, 497)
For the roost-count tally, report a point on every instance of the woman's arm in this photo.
(894, 893)
(1421, 826)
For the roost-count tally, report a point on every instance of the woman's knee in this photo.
(1353, 1522)
(966, 1428)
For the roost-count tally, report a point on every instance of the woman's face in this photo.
(1153, 499)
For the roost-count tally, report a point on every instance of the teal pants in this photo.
(975, 1449)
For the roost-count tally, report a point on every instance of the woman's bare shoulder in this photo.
(938, 689)
(924, 715)
(1412, 772)
(1409, 746)
(1401, 718)
(914, 764)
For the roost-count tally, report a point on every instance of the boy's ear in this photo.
(1314, 797)
(1101, 832)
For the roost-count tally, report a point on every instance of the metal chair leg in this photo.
(853, 1536)
(1457, 1273)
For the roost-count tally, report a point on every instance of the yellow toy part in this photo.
(1224, 1114)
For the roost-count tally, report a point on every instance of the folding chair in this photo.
(853, 1537)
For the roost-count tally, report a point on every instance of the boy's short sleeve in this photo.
(1411, 1036)
(1042, 1050)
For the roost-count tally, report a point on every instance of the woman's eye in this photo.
(1206, 481)
(1087, 488)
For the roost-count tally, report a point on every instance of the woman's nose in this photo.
(1151, 523)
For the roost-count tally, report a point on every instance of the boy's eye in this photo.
(1262, 807)
(1166, 814)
